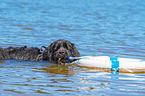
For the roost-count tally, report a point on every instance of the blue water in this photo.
(96, 27)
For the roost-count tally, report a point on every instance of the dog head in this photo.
(59, 51)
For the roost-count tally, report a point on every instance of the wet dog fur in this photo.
(58, 51)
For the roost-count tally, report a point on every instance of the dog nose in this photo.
(62, 52)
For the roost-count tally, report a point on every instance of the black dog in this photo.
(58, 51)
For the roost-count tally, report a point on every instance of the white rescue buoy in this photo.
(115, 64)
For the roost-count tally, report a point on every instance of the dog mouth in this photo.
(61, 56)
(62, 60)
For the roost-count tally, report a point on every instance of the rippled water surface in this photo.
(96, 27)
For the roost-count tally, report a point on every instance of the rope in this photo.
(40, 56)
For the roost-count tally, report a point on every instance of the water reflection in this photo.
(67, 70)
(21, 77)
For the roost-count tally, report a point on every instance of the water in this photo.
(96, 27)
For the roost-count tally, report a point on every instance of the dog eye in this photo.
(57, 47)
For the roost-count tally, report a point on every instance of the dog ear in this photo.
(75, 51)
(72, 49)
(48, 52)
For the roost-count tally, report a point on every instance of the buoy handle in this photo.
(74, 58)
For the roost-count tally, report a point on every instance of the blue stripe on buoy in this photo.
(115, 64)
